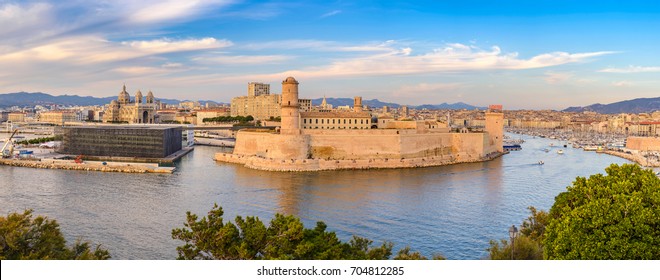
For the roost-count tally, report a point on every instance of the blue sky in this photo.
(543, 55)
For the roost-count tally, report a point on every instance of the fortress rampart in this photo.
(295, 149)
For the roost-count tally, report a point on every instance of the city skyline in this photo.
(549, 55)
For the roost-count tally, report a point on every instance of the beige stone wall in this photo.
(643, 143)
(271, 145)
(363, 145)
(354, 145)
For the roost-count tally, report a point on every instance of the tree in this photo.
(528, 243)
(284, 238)
(25, 238)
(613, 216)
(525, 248)
(406, 254)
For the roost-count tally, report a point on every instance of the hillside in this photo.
(23, 99)
(635, 106)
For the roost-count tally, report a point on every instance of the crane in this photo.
(7, 144)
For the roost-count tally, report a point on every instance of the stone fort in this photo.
(294, 148)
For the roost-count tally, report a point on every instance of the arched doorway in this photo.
(145, 117)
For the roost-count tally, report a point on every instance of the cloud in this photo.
(92, 49)
(621, 84)
(166, 45)
(158, 10)
(332, 13)
(631, 69)
(450, 58)
(554, 78)
(320, 46)
(242, 59)
(14, 17)
(429, 87)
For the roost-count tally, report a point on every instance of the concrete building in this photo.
(16, 117)
(261, 107)
(58, 117)
(338, 119)
(120, 141)
(295, 148)
(335, 120)
(125, 110)
(257, 89)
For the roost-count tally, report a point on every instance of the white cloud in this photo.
(91, 49)
(332, 13)
(166, 45)
(554, 78)
(429, 87)
(450, 58)
(243, 59)
(321, 46)
(631, 69)
(621, 84)
(14, 17)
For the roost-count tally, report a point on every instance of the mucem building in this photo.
(120, 141)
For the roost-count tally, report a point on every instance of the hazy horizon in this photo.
(544, 55)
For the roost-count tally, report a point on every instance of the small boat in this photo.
(541, 162)
(546, 150)
(561, 152)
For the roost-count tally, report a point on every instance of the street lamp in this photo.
(513, 231)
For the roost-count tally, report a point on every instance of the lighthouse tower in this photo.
(290, 108)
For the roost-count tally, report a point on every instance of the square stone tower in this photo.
(495, 127)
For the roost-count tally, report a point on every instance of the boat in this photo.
(541, 162)
(561, 152)
(546, 150)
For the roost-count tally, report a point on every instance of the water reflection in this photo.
(453, 209)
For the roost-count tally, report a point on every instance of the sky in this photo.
(521, 54)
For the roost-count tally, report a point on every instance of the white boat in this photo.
(541, 162)
(561, 152)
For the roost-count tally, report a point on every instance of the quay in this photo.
(124, 167)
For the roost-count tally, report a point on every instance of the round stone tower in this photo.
(290, 109)
(357, 104)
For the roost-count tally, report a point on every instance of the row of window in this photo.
(327, 121)
(331, 127)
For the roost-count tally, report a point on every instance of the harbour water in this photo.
(453, 210)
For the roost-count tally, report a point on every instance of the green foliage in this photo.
(524, 248)
(275, 119)
(25, 238)
(406, 254)
(285, 238)
(36, 140)
(528, 245)
(228, 119)
(616, 216)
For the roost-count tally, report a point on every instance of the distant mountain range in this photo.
(375, 103)
(23, 99)
(635, 106)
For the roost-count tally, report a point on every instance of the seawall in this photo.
(305, 165)
(89, 166)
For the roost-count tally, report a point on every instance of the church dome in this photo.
(124, 97)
